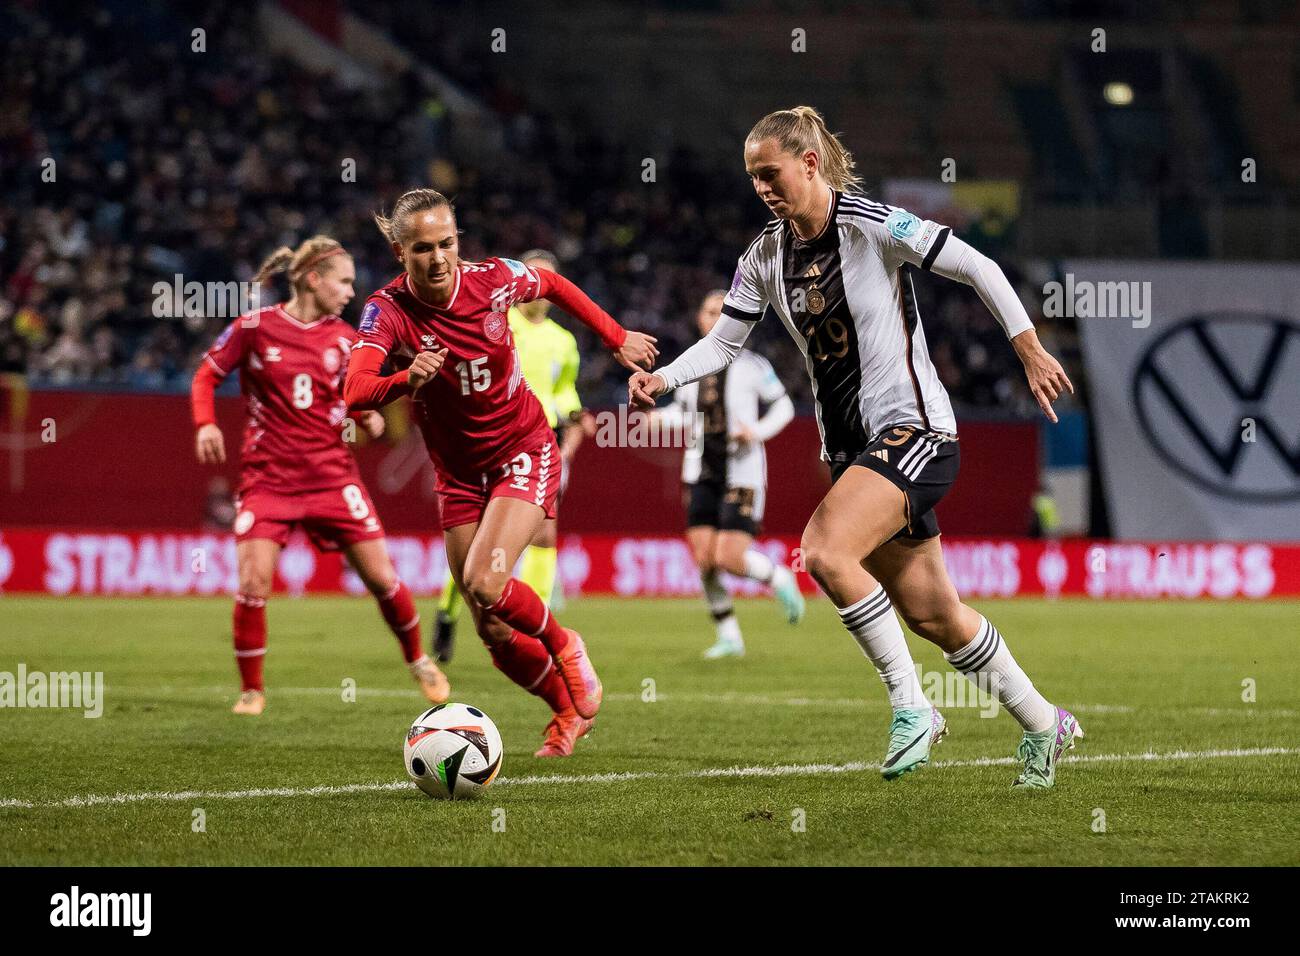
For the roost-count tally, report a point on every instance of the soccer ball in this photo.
(453, 751)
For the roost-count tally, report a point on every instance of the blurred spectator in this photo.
(171, 163)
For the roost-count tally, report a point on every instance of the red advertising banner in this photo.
(99, 460)
(95, 562)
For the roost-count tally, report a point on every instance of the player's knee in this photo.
(826, 565)
(254, 583)
(379, 584)
(732, 562)
(484, 587)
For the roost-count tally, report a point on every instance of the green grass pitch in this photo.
(765, 760)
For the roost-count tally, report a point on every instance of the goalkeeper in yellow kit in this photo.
(548, 354)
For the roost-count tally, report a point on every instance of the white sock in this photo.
(729, 630)
(988, 663)
(759, 567)
(875, 627)
(720, 606)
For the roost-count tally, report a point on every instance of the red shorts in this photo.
(333, 519)
(532, 475)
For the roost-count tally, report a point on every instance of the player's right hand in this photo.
(643, 388)
(638, 351)
(210, 445)
(425, 367)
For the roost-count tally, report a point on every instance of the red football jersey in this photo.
(478, 411)
(291, 375)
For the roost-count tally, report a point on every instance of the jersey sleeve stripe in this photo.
(863, 201)
(736, 313)
(939, 240)
(872, 214)
(373, 345)
(220, 371)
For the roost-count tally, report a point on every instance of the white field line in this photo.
(712, 773)
(756, 700)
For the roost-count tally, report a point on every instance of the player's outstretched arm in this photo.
(632, 349)
(710, 354)
(779, 414)
(209, 444)
(960, 261)
(365, 388)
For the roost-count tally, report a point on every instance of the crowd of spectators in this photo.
(130, 158)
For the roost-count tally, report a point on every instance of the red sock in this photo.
(527, 662)
(521, 608)
(403, 619)
(250, 639)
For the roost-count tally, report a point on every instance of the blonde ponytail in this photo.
(801, 129)
(308, 257)
(277, 261)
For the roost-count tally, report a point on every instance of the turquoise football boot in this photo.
(911, 735)
(786, 589)
(1041, 751)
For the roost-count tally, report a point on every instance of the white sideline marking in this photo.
(712, 773)
(757, 700)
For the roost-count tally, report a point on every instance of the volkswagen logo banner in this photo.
(1198, 407)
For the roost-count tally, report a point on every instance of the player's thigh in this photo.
(729, 549)
(508, 524)
(861, 511)
(916, 579)
(548, 534)
(373, 565)
(256, 558)
(700, 539)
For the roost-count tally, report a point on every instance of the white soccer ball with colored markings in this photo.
(453, 751)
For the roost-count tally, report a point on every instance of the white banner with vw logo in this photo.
(1194, 380)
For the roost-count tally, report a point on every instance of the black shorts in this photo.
(923, 464)
(713, 505)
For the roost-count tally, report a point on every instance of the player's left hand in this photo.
(643, 388)
(372, 423)
(742, 436)
(1047, 380)
(587, 422)
(638, 351)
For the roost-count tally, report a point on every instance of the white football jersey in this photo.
(718, 405)
(846, 298)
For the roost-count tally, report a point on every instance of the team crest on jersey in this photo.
(369, 316)
(816, 301)
(333, 359)
(273, 353)
(494, 326)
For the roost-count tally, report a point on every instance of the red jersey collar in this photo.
(279, 307)
(455, 291)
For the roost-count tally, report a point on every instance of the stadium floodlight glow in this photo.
(1118, 93)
